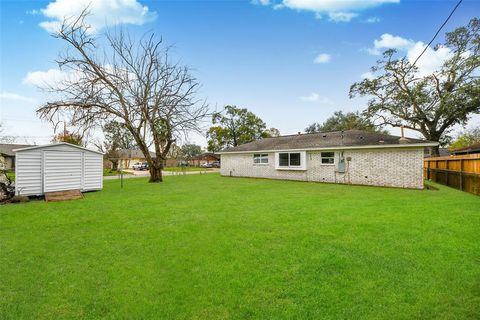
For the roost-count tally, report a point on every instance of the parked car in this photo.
(206, 165)
(216, 164)
(140, 166)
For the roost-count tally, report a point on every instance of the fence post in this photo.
(461, 174)
(446, 172)
(428, 170)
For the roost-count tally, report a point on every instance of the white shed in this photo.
(57, 167)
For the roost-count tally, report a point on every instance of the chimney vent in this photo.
(402, 136)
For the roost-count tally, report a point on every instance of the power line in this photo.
(436, 34)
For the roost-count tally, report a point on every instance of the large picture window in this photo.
(260, 158)
(289, 159)
(328, 157)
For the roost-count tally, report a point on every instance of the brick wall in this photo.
(380, 167)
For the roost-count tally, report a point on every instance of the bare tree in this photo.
(132, 82)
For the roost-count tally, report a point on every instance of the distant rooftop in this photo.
(7, 149)
(474, 148)
(348, 138)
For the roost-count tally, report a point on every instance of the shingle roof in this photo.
(7, 149)
(349, 138)
(132, 153)
(474, 148)
(206, 154)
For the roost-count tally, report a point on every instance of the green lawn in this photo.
(110, 172)
(180, 169)
(207, 247)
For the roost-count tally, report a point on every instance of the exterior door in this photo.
(62, 170)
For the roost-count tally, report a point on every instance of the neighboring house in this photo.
(128, 157)
(472, 149)
(443, 152)
(57, 167)
(204, 158)
(351, 157)
(7, 156)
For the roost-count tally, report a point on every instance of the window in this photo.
(328, 157)
(288, 159)
(283, 159)
(260, 158)
(294, 159)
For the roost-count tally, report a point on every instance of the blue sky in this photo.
(289, 62)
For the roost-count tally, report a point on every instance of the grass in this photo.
(11, 175)
(186, 169)
(207, 247)
(111, 172)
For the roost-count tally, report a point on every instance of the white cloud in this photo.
(367, 75)
(336, 10)
(372, 20)
(342, 16)
(322, 58)
(49, 78)
(430, 61)
(15, 97)
(102, 13)
(388, 41)
(315, 97)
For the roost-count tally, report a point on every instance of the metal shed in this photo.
(57, 167)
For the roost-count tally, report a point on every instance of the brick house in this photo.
(207, 157)
(350, 157)
(7, 156)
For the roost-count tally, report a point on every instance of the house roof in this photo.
(55, 144)
(350, 139)
(132, 153)
(7, 149)
(206, 154)
(474, 148)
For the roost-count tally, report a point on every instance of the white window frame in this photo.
(332, 157)
(303, 161)
(262, 159)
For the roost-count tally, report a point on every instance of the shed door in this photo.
(62, 171)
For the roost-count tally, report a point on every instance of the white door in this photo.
(62, 170)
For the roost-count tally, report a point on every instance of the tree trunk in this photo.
(155, 174)
(435, 151)
(114, 165)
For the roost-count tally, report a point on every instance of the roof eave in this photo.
(383, 146)
(56, 144)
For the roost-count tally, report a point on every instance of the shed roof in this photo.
(55, 144)
(328, 140)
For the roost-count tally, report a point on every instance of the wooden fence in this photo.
(460, 172)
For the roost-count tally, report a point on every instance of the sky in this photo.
(291, 62)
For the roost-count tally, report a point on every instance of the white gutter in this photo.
(56, 144)
(411, 145)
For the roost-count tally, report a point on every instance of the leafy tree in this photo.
(466, 139)
(69, 137)
(430, 104)
(235, 126)
(133, 82)
(117, 137)
(272, 132)
(340, 121)
(190, 150)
